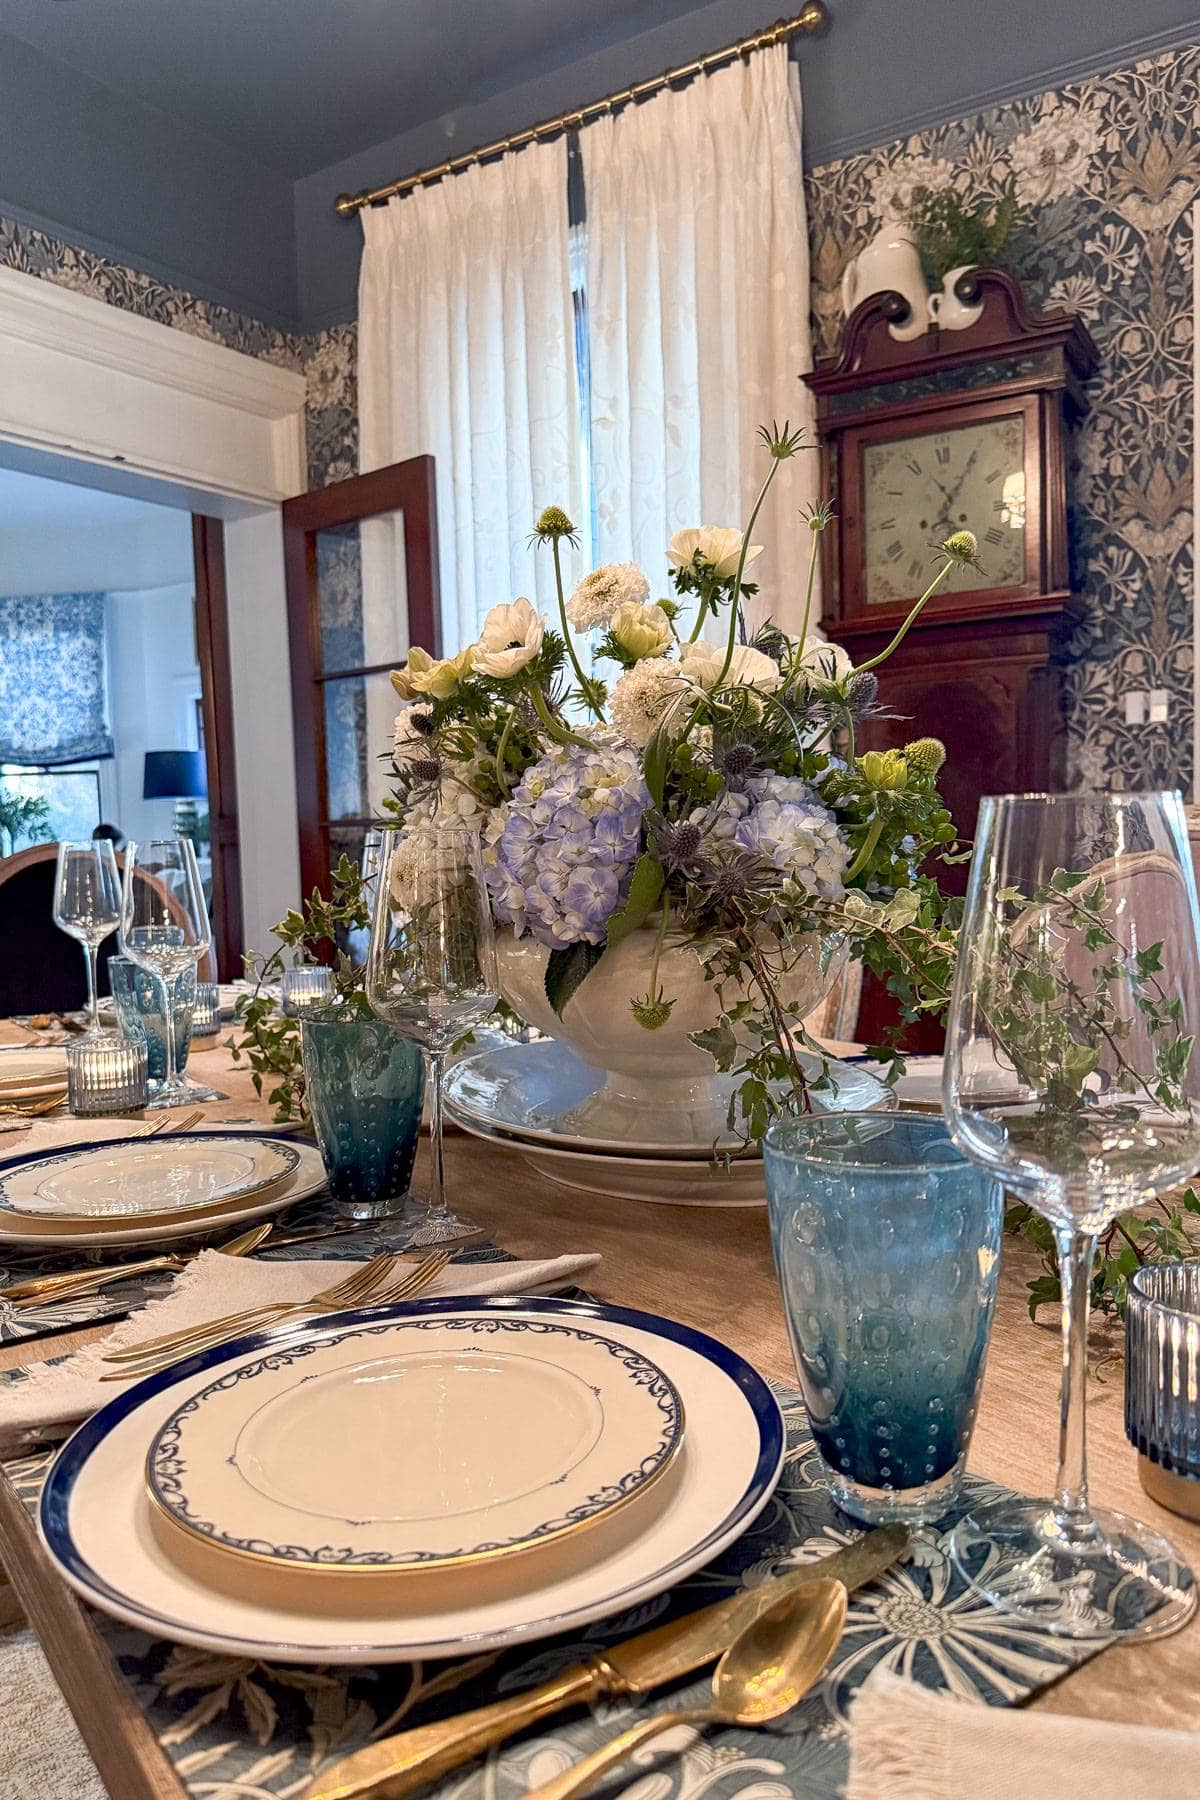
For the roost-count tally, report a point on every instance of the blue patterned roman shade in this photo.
(53, 692)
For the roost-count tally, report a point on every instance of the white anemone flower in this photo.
(719, 546)
(511, 638)
(703, 662)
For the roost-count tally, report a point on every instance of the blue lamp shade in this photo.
(174, 775)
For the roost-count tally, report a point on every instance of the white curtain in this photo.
(698, 300)
(466, 352)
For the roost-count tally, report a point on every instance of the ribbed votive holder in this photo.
(106, 1075)
(1162, 1382)
(206, 1013)
(305, 988)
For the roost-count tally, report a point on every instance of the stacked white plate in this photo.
(32, 1072)
(544, 1102)
(148, 1190)
(412, 1482)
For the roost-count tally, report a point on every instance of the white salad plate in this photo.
(307, 1177)
(521, 1434)
(665, 1180)
(136, 1177)
(530, 1092)
(32, 1072)
(717, 1484)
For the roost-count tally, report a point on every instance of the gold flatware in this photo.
(375, 1283)
(167, 1126)
(399, 1765)
(32, 1109)
(72, 1283)
(765, 1672)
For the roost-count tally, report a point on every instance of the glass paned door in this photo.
(362, 586)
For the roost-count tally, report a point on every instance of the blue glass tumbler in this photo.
(139, 999)
(887, 1246)
(366, 1088)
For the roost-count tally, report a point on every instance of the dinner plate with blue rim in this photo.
(19, 1229)
(174, 1580)
(136, 1177)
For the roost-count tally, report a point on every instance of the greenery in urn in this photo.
(270, 1041)
(22, 816)
(712, 794)
(951, 235)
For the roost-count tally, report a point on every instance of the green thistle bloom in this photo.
(651, 1013)
(782, 441)
(926, 755)
(552, 523)
(962, 547)
(819, 516)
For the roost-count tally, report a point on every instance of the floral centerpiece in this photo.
(696, 843)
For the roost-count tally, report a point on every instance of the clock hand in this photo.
(970, 465)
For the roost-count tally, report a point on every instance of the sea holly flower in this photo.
(511, 637)
(716, 548)
(600, 596)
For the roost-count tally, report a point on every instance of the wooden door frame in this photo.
(216, 703)
(408, 487)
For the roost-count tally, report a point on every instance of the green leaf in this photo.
(644, 890)
(566, 969)
(1045, 1291)
(1149, 961)
(718, 1042)
(655, 763)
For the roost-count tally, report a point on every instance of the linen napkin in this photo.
(64, 1393)
(41, 1751)
(912, 1743)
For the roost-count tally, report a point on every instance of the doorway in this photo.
(115, 681)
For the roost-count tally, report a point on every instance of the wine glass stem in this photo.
(437, 1181)
(168, 987)
(1075, 1253)
(90, 951)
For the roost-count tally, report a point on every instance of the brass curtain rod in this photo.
(813, 18)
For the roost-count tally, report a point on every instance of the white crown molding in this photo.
(79, 375)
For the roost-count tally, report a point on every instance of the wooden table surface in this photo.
(709, 1267)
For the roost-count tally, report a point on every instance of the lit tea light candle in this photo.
(106, 1075)
(305, 989)
(206, 1013)
(1162, 1382)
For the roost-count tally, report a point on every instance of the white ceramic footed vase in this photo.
(650, 1073)
(890, 263)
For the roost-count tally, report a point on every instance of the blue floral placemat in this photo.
(234, 1728)
(317, 1213)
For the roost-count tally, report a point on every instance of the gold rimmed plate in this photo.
(139, 1178)
(436, 1444)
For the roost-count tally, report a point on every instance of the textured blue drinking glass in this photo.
(887, 1246)
(139, 999)
(366, 1087)
(1162, 1381)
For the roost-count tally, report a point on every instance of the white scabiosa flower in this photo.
(702, 664)
(642, 697)
(599, 595)
(511, 638)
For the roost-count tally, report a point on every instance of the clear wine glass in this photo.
(431, 967)
(165, 930)
(87, 905)
(1069, 1074)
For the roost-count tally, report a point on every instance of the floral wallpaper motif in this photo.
(326, 358)
(1109, 168)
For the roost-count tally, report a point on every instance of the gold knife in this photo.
(398, 1765)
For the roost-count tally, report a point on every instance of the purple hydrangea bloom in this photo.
(559, 855)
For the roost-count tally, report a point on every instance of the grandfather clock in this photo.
(956, 430)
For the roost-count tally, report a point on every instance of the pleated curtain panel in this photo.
(697, 301)
(466, 352)
(698, 313)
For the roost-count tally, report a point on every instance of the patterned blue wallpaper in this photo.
(1109, 166)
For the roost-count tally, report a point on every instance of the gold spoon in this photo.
(763, 1674)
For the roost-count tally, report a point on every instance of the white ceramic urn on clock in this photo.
(890, 263)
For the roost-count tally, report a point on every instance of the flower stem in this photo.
(705, 605)
(585, 686)
(558, 731)
(501, 752)
(737, 580)
(659, 941)
(866, 849)
(808, 597)
(903, 631)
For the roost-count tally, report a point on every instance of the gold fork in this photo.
(374, 1284)
(71, 1284)
(168, 1126)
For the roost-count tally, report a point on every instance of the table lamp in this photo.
(177, 775)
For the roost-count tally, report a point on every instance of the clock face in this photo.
(917, 490)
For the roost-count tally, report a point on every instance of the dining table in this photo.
(708, 1267)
